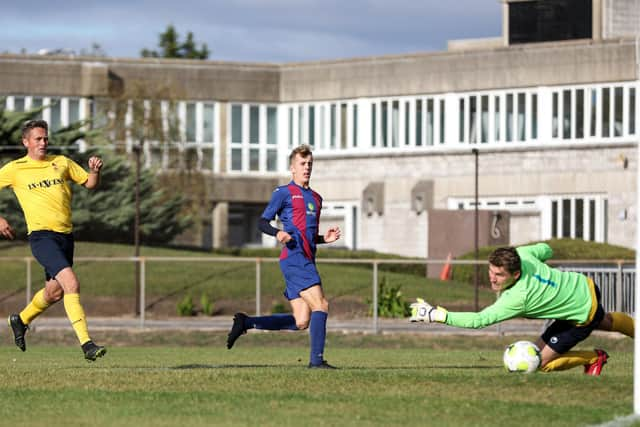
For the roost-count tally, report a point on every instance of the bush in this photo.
(206, 305)
(185, 306)
(279, 308)
(391, 302)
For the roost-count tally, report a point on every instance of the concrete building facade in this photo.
(553, 126)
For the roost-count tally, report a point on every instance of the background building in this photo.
(550, 109)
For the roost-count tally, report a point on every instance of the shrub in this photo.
(279, 307)
(391, 302)
(206, 305)
(185, 306)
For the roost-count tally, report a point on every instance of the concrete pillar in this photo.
(220, 222)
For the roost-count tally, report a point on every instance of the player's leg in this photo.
(560, 337)
(319, 307)
(75, 313)
(19, 323)
(618, 322)
(274, 322)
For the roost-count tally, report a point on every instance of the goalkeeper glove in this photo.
(422, 311)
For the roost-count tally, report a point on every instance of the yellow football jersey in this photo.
(42, 188)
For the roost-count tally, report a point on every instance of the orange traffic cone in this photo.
(445, 273)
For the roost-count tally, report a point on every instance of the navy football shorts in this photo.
(563, 335)
(54, 251)
(299, 273)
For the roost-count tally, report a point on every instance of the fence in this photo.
(616, 279)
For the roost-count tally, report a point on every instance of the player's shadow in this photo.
(221, 366)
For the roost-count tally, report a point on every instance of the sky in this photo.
(277, 31)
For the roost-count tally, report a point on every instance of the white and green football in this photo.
(522, 356)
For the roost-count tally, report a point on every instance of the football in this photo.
(522, 356)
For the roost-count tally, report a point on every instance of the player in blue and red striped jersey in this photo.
(298, 208)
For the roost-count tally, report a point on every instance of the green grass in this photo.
(385, 380)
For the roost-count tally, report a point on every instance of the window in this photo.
(355, 125)
(632, 111)
(208, 122)
(257, 149)
(617, 111)
(374, 127)
(566, 114)
(311, 126)
(484, 118)
(343, 126)
(190, 126)
(522, 120)
(580, 113)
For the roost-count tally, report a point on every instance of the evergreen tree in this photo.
(170, 47)
(106, 214)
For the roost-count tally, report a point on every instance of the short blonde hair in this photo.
(303, 150)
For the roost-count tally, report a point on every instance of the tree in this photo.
(107, 214)
(170, 47)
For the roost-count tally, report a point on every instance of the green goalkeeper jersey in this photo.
(541, 292)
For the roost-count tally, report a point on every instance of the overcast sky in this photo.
(250, 30)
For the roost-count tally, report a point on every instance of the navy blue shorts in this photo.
(54, 251)
(299, 273)
(563, 335)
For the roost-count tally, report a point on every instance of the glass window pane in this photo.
(18, 103)
(208, 121)
(632, 111)
(509, 117)
(407, 130)
(442, 128)
(579, 217)
(333, 125)
(291, 127)
(418, 122)
(534, 116)
(355, 125)
(473, 137)
(272, 125)
(254, 124)
(74, 110)
(301, 138)
(484, 118)
(566, 217)
(236, 124)
(461, 126)
(374, 132)
(36, 102)
(566, 114)
(554, 108)
(191, 122)
(343, 126)
(594, 111)
(522, 122)
(56, 115)
(254, 159)
(236, 159)
(497, 117)
(606, 120)
(312, 126)
(395, 124)
(580, 113)
(592, 220)
(617, 112)
(430, 122)
(272, 160)
(554, 218)
(383, 123)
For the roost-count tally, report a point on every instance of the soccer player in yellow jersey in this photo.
(41, 184)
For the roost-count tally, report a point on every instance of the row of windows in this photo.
(260, 136)
(60, 112)
(577, 217)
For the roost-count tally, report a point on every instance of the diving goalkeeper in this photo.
(530, 288)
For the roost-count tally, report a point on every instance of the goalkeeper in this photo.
(530, 288)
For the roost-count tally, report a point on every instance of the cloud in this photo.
(252, 30)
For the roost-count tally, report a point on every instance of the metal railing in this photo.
(616, 279)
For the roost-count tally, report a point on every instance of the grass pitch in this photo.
(190, 379)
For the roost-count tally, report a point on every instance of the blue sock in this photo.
(275, 322)
(317, 332)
